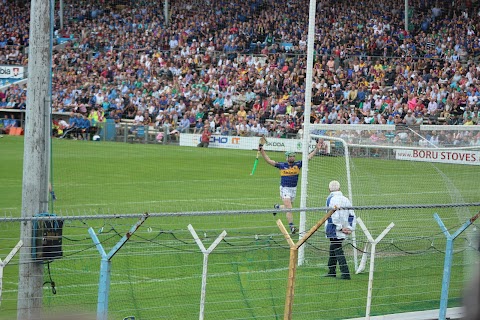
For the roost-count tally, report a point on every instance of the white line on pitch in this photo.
(153, 182)
(151, 280)
(223, 200)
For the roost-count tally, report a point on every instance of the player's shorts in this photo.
(288, 192)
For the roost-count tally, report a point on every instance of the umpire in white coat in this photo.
(337, 228)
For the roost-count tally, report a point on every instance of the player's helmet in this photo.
(290, 154)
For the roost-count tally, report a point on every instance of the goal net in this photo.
(388, 165)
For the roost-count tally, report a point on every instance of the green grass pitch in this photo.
(157, 274)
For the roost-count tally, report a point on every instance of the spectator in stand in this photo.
(3, 103)
(61, 126)
(23, 103)
(228, 103)
(199, 126)
(390, 120)
(409, 119)
(83, 131)
(130, 111)
(191, 118)
(6, 125)
(125, 61)
(242, 128)
(138, 120)
(147, 119)
(72, 128)
(184, 126)
(468, 121)
(419, 118)
(242, 113)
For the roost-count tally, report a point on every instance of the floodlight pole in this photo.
(447, 267)
(36, 154)
(372, 260)
(60, 14)
(4, 263)
(166, 13)
(406, 15)
(292, 267)
(106, 266)
(205, 252)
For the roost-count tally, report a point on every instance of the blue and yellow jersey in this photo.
(289, 173)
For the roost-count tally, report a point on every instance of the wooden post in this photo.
(292, 267)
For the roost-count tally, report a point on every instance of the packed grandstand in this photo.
(240, 66)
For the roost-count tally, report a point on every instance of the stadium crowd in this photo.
(240, 66)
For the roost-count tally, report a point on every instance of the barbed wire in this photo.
(236, 212)
(270, 241)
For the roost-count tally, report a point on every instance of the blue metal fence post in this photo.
(104, 288)
(447, 267)
(105, 267)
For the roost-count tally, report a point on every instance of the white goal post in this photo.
(304, 225)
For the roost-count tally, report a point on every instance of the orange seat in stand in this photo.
(16, 131)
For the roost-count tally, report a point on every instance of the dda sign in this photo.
(11, 72)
